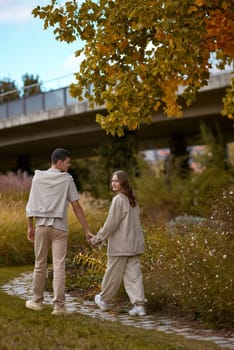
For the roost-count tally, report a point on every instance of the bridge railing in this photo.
(44, 101)
(61, 98)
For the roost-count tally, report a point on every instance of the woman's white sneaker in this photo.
(137, 310)
(101, 303)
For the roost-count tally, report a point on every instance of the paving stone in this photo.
(21, 287)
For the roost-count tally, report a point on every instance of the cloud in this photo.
(13, 11)
(72, 63)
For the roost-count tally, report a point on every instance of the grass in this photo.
(26, 329)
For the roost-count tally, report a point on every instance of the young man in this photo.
(46, 212)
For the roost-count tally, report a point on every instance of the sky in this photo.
(25, 47)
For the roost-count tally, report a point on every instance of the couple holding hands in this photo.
(46, 210)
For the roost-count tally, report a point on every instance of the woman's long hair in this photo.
(125, 186)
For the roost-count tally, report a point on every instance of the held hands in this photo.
(96, 242)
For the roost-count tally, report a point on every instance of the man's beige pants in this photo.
(46, 237)
(128, 270)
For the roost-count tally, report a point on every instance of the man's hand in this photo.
(88, 235)
(31, 234)
(31, 229)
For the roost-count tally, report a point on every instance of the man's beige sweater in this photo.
(48, 194)
(122, 228)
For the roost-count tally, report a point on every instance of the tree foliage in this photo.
(120, 153)
(8, 90)
(137, 53)
(32, 86)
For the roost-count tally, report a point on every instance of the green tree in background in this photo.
(31, 85)
(121, 153)
(8, 90)
(137, 53)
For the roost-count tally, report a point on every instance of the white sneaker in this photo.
(30, 304)
(59, 310)
(137, 310)
(101, 303)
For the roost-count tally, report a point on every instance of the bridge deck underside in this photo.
(82, 135)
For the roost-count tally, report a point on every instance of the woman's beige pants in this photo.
(128, 270)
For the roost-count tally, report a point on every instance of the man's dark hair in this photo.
(59, 154)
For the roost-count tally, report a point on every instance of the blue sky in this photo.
(26, 48)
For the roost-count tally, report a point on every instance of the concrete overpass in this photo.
(31, 128)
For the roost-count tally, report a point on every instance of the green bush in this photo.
(193, 195)
(188, 266)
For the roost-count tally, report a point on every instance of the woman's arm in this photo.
(115, 215)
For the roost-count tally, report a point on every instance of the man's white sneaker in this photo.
(59, 310)
(137, 310)
(101, 303)
(30, 304)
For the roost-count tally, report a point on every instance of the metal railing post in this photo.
(65, 96)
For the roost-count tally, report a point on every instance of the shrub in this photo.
(15, 185)
(14, 247)
(190, 268)
(193, 195)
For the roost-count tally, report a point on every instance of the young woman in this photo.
(123, 230)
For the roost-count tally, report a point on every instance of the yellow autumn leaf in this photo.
(171, 43)
(199, 2)
(192, 9)
(225, 5)
(63, 22)
(156, 105)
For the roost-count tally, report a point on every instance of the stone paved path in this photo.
(21, 286)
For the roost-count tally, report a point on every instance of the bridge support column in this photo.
(23, 164)
(177, 162)
(216, 143)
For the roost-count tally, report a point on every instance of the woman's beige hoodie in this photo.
(122, 228)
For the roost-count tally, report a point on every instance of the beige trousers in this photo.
(128, 270)
(46, 237)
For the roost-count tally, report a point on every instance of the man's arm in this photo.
(81, 217)
(31, 229)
